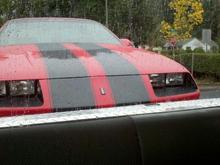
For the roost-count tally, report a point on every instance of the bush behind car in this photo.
(204, 64)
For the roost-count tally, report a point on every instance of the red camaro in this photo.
(60, 64)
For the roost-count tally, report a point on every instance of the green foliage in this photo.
(199, 50)
(214, 49)
(188, 50)
(139, 20)
(206, 64)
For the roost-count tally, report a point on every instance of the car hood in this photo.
(54, 61)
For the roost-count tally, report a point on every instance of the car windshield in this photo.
(55, 31)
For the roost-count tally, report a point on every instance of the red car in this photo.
(60, 64)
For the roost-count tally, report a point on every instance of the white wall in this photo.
(195, 43)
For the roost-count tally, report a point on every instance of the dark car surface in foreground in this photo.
(166, 133)
(60, 64)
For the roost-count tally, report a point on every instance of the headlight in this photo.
(175, 79)
(22, 93)
(22, 88)
(158, 80)
(171, 79)
(2, 88)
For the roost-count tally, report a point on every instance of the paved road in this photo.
(210, 93)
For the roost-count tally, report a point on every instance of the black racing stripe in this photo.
(128, 90)
(126, 83)
(68, 91)
(113, 64)
(71, 94)
(60, 62)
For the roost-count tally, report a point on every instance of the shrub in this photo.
(199, 50)
(214, 49)
(206, 64)
(188, 50)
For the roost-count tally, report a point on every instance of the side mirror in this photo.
(127, 42)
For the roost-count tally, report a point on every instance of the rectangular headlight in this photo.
(158, 80)
(22, 88)
(2, 88)
(169, 79)
(174, 79)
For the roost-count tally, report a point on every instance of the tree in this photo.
(187, 15)
(139, 20)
